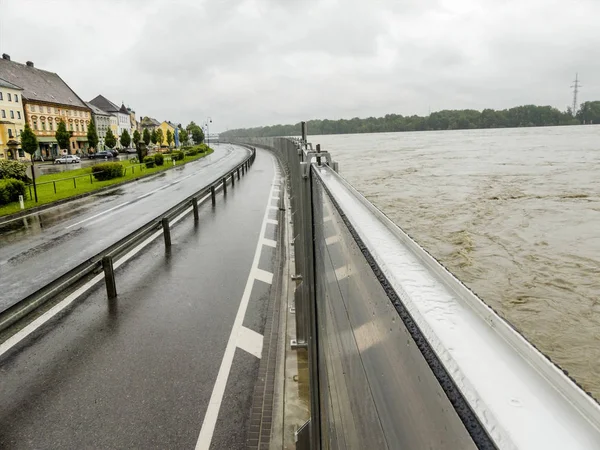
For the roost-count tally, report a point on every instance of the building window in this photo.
(1, 96)
(10, 135)
(18, 114)
(73, 144)
(16, 98)
(71, 126)
(12, 114)
(9, 97)
(21, 153)
(32, 108)
(50, 126)
(35, 125)
(43, 126)
(3, 114)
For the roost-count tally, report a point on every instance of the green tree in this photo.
(92, 135)
(169, 138)
(125, 139)
(146, 136)
(29, 144)
(110, 140)
(62, 135)
(159, 137)
(183, 137)
(196, 132)
(136, 138)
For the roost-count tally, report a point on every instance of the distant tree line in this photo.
(464, 119)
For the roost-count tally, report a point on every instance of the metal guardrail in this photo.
(401, 354)
(103, 260)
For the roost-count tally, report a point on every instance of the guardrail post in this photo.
(166, 231)
(109, 277)
(91, 179)
(243, 166)
(232, 179)
(238, 173)
(224, 186)
(212, 195)
(74, 182)
(195, 205)
(54, 182)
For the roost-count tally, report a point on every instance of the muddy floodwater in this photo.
(513, 213)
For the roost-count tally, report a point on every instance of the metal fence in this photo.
(401, 354)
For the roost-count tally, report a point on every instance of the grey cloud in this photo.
(258, 62)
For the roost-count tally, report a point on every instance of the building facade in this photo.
(167, 126)
(121, 120)
(102, 122)
(47, 100)
(12, 121)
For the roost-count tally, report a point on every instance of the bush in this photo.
(192, 152)
(178, 155)
(10, 189)
(134, 161)
(13, 169)
(107, 171)
(149, 161)
(159, 159)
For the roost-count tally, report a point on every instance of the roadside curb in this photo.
(35, 209)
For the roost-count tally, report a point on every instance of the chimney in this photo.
(6, 56)
(29, 63)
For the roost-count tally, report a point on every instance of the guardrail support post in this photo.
(224, 186)
(195, 205)
(232, 179)
(238, 173)
(166, 231)
(109, 277)
(212, 195)
(243, 171)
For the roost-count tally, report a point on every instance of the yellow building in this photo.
(166, 125)
(46, 100)
(12, 120)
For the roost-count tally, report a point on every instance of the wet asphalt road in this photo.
(36, 249)
(138, 372)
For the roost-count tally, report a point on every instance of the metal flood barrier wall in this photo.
(401, 354)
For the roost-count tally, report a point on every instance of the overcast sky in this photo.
(261, 62)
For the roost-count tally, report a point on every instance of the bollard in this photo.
(232, 179)
(195, 205)
(212, 195)
(109, 276)
(21, 203)
(166, 232)
(224, 186)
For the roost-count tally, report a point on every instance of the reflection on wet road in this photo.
(36, 248)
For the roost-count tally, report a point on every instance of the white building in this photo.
(120, 119)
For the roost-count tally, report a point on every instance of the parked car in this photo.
(114, 152)
(101, 155)
(67, 159)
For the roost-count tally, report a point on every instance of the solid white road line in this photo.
(250, 341)
(272, 221)
(332, 240)
(214, 404)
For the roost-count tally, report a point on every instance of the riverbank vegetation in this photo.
(520, 116)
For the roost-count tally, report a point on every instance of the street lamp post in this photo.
(208, 121)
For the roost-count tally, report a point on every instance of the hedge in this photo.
(13, 169)
(159, 159)
(192, 152)
(178, 155)
(150, 161)
(10, 189)
(107, 171)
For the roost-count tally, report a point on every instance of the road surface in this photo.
(36, 249)
(186, 328)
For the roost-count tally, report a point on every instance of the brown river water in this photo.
(513, 213)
